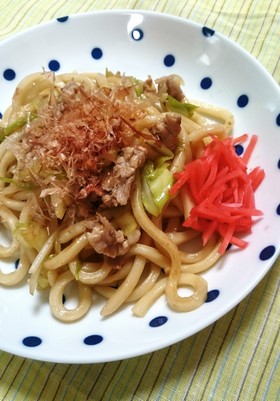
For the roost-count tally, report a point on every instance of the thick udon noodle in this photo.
(162, 261)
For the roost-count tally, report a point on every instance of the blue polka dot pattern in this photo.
(207, 31)
(169, 60)
(206, 83)
(9, 74)
(54, 65)
(158, 321)
(203, 82)
(93, 339)
(267, 252)
(137, 34)
(212, 295)
(32, 341)
(63, 19)
(239, 149)
(242, 101)
(97, 53)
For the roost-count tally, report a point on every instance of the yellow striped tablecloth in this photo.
(236, 358)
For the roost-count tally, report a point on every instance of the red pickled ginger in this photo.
(222, 190)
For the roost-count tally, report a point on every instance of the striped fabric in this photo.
(236, 358)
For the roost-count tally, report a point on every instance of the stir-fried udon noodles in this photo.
(86, 165)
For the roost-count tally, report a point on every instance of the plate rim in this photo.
(257, 63)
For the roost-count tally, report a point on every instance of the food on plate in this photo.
(119, 187)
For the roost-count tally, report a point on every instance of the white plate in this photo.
(142, 43)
